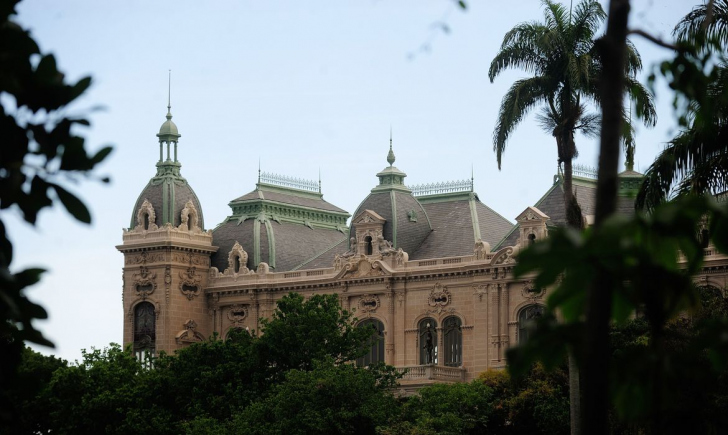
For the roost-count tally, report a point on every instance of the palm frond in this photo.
(643, 100)
(516, 104)
(694, 26)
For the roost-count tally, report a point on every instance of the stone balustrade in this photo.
(432, 373)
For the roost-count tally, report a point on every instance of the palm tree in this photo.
(696, 160)
(566, 66)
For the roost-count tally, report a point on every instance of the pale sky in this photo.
(301, 85)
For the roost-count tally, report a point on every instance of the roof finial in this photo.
(472, 178)
(169, 96)
(390, 156)
(319, 179)
(258, 170)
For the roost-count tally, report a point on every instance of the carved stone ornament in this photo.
(237, 253)
(366, 219)
(237, 313)
(362, 266)
(439, 298)
(189, 218)
(190, 283)
(144, 282)
(480, 291)
(505, 256)
(189, 334)
(368, 303)
(481, 250)
(148, 210)
(530, 291)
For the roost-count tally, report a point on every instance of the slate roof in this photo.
(182, 192)
(410, 235)
(552, 205)
(262, 192)
(453, 226)
(294, 244)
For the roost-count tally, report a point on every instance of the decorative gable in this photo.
(369, 227)
(532, 226)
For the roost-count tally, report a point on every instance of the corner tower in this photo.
(166, 259)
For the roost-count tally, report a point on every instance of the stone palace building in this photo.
(429, 267)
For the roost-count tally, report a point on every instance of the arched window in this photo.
(531, 239)
(526, 321)
(704, 238)
(237, 264)
(428, 340)
(376, 350)
(146, 221)
(453, 335)
(145, 320)
(368, 245)
(237, 334)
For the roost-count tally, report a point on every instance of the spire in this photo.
(168, 135)
(169, 96)
(390, 156)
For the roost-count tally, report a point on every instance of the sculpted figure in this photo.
(385, 246)
(352, 249)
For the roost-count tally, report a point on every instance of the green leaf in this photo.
(73, 204)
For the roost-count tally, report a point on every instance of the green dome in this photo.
(168, 131)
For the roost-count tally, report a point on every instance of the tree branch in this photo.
(653, 39)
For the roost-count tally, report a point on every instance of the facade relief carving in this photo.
(368, 304)
(530, 291)
(362, 266)
(190, 283)
(237, 313)
(144, 258)
(439, 298)
(480, 291)
(189, 334)
(143, 282)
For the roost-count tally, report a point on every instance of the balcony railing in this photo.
(432, 373)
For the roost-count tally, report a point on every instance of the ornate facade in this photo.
(429, 267)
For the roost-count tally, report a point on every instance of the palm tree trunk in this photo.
(573, 220)
(612, 48)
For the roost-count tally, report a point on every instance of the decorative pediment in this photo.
(368, 217)
(504, 256)
(531, 214)
(361, 266)
(190, 333)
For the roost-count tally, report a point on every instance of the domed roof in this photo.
(285, 227)
(169, 127)
(168, 196)
(407, 224)
(168, 131)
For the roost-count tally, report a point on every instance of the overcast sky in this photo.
(301, 86)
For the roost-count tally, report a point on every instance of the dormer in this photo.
(532, 226)
(368, 228)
